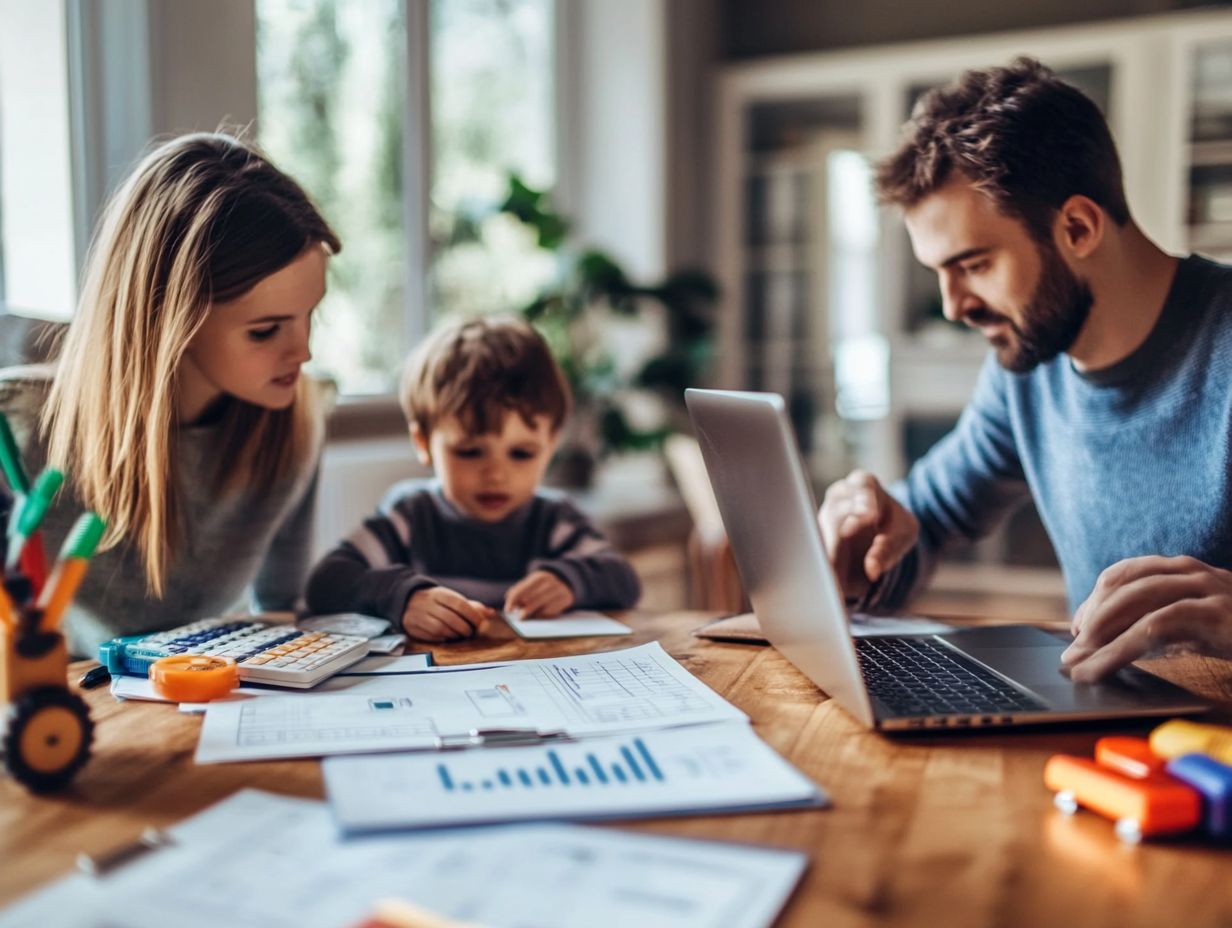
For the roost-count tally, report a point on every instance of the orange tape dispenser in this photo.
(194, 677)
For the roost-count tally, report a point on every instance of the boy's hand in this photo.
(437, 613)
(540, 594)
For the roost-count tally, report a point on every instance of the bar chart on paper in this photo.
(634, 764)
(703, 768)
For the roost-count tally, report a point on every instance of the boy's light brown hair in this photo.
(477, 371)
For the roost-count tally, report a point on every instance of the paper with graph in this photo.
(634, 689)
(701, 769)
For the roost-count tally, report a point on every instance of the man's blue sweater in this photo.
(1125, 461)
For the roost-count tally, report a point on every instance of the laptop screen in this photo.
(771, 520)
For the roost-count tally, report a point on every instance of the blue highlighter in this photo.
(1214, 781)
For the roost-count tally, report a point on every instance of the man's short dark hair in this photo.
(1021, 135)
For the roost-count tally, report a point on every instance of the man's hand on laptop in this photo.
(866, 531)
(1143, 604)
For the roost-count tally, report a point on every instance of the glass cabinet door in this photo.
(1209, 210)
(795, 268)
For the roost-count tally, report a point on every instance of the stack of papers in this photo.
(261, 861)
(621, 733)
(636, 689)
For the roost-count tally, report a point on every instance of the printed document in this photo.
(705, 768)
(257, 860)
(635, 689)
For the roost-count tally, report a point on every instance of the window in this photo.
(331, 79)
(38, 275)
(492, 115)
(334, 94)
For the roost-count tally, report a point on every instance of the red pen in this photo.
(25, 541)
(34, 562)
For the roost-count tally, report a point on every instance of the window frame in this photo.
(115, 110)
(359, 416)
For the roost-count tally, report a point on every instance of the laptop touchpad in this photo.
(1032, 658)
(1029, 656)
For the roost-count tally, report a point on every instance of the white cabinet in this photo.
(822, 298)
(1203, 61)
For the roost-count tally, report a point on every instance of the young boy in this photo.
(485, 402)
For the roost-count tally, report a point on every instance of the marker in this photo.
(8, 614)
(397, 913)
(10, 459)
(1157, 804)
(79, 546)
(33, 561)
(1179, 737)
(1131, 756)
(29, 516)
(1214, 781)
(94, 677)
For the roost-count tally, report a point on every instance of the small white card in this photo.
(568, 625)
(387, 644)
(346, 623)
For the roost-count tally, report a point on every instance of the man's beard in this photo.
(1052, 319)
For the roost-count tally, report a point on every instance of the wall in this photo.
(203, 55)
(754, 28)
(692, 30)
(151, 68)
(615, 123)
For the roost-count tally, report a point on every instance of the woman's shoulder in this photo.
(23, 391)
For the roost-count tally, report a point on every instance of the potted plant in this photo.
(628, 396)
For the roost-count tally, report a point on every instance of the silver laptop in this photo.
(992, 676)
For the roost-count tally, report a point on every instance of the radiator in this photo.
(354, 477)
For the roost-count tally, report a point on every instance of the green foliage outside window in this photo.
(578, 311)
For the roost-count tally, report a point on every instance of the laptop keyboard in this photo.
(918, 676)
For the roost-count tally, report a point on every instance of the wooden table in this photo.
(953, 830)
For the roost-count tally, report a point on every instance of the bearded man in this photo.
(1107, 397)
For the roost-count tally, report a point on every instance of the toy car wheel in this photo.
(48, 738)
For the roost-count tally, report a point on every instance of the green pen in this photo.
(30, 514)
(10, 459)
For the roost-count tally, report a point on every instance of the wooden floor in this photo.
(951, 830)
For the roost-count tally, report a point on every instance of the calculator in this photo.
(275, 653)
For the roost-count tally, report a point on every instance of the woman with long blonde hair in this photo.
(175, 405)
